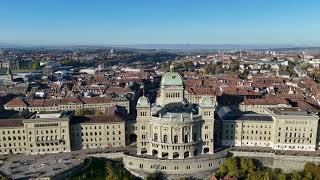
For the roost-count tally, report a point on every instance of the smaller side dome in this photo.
(143, 102)
(206, 101)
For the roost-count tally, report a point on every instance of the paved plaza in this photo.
(18, 166)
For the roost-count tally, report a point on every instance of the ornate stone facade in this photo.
(174, 131)
(174, 128)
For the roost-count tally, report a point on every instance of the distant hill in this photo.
(160, 46)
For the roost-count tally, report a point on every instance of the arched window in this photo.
(155, 137)
(186, 138)
(175, 139)
(165, 138)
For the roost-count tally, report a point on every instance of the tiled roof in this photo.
(97, 119)
(55, 102)
(96, 100)
(11, 123)
(264, 101)
(202, 91)
(16, 103)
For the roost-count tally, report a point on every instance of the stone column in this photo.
(181, 154)
(159, 152)
(170, 135)
(191, 135)
(211, 138)
(170, 155)
(151, 133)
(191, 153)
(181, 135)
(160, 134)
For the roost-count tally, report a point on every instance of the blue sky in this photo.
(160, 21)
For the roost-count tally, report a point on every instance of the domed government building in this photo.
(173, 135)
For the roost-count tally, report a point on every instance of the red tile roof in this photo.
(16, 103)
(264, 101)
(11, 123)
(96, 100)
(97, 119)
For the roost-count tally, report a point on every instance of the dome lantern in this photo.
(143, 102)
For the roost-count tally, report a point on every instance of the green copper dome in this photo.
(143, 102)
(206, 101)
(171, 79)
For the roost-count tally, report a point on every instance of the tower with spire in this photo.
(9, 78)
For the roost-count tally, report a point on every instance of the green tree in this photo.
(234, 66)
(295, 175)
(312, 168)
(232, 165)
(222, 171)
(98, 113)
(254, 176)
(210, 69)
(156, 176)
(111, 172)
(79, 112)
(309, 176)
(35, 66)
(282, 176)
(246, 166)
(267, 175)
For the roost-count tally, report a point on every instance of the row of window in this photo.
(173, 147)
(295, 122)
(47, 125)
(251, 137)
(303, 141)
(175, 167)
(175, 138)
(94, 127)
(256, 143)
(172, 95)
(13, 138)
(252, 132)
(293, 147)
(49, 131)
(12, 145)
(95, 145)
(226, 125)
(47, 144)
(289, 135)
(97, 139)
(294, 129)
(47, 138)
(143, 113)
(11, 132)
(72, 107)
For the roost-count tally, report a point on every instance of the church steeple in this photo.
(9, 74)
